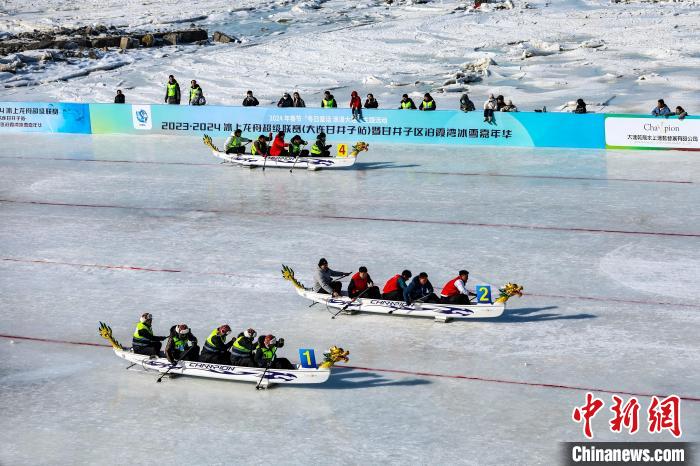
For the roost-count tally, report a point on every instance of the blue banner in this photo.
(39, 117)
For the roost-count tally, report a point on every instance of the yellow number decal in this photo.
(484, 293)
(342, 150)
(308, 357)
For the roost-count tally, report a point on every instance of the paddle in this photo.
(174, 365)
(348, 304)
(274, 351)
(264, 161)
(297, 158)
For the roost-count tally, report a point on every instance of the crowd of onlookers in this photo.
(491, 105)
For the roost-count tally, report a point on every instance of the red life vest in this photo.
(450, 289)
(277, 146)
(392, 284)
(360, 283)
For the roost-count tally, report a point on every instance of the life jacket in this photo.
(330, 103)
(254, 150)
(428, 105)
(214, 346)
(360, 283)
(172, 89)
(180, 343)
(195, 92)
(317, 149)
(294, 149)
(450, 289)
(138, 338)
(277, 146)
(406, 105)
(239, 350)
(235, 142)
(392, 284)
(268, 353)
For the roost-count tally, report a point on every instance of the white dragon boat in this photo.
(308, 163)
(261, 376)
(438, 311)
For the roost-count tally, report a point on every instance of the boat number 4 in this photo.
(342, 150)
(483, 294)
(307, 358)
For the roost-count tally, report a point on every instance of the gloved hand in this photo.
(335, 294)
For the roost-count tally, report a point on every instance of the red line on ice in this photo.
(399, 371)
(228, 274)
(375, 219)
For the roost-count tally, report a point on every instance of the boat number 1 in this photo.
(307, 358)
(342, 150)
(483, 294)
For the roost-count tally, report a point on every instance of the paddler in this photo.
(279, 147)
(455, 291)
(296, 147)
(215, 349)
(320, 148)
(260, 145)
(420, 289)
(144, 342)
(266, 354)
(235, 144)
(242, 349)
(181, 344)
(323, 279)
(361, 284)
(393, 288)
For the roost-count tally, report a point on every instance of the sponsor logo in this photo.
(662, 128)
(141, 115)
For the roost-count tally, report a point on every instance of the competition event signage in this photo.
(522, 129)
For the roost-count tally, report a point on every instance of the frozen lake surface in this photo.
(606, 244)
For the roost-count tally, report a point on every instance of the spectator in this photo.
(297, 101)
(356, 105)
(371, 102)
(428, 104)
(465, 104)
(661, 109)
(285, 101)
(500, 103)
(172, 91)
(407, 103)
(328, 100)
(489, 108)
(119, 98)
(250, 100)
(196, 94)
(580, 106)
(509, 107)
(680, 113)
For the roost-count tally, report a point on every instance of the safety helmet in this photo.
(225, 329)
(250, 333)
(182, 329)
(270, 340)
(146, 316)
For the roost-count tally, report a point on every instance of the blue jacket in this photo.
(415, 290)
(663, 111)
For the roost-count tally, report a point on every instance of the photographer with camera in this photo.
(265, 353)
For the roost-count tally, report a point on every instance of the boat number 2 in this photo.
(483, 294)
(342, 150)
(307, 358)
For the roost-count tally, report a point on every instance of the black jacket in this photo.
(171, 352)
(372, 104)
(119, 99)
(250, 102)
(415, 290)
(285, 102)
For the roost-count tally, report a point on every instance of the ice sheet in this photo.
(77, 208)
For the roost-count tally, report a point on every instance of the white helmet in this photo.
(146, 317)
(182, 329)
(250, 333)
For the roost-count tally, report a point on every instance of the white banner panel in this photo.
(662, 133)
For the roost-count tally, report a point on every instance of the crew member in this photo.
(361, 284)
(181, 344)
(394, 287)
(296, 147)
(260, 147)
(407, 103)
(144, 342)
(428, 103)
(215, 349)
(323, 279)
(328, 100)
(235, 144)
(320, 148)
(278, 148)
(455, 291)
(242, 349)
(265, 354)
(420, 289)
